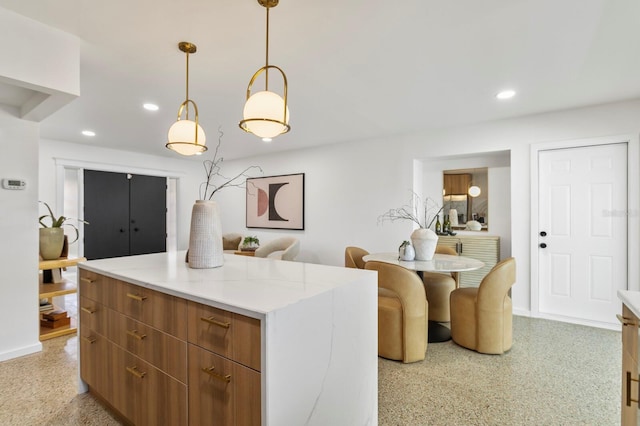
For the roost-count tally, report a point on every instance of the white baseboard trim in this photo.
(615, 326)
(15, 353)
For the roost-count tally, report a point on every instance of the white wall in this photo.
(19, 243)
(45, 61)
(349, 185)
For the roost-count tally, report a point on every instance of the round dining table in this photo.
(440, 263)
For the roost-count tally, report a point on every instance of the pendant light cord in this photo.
(187, 85)
(266, 71)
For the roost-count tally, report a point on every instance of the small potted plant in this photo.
(52, 236)
(250, 243)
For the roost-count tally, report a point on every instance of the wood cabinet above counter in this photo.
(457, 184)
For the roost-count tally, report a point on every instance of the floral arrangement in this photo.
(212, 171)
(419, 212)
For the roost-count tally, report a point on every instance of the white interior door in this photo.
(583, 231)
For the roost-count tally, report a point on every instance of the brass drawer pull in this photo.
(212, 320)
(134, 370)
(209, 371)
(89, 339)
(88, 310)
(625, 320)
(628, 383)
(136, 297)
(87, 280)
(134, 333)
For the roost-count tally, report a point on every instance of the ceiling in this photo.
(357, 69)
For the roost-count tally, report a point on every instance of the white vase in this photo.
(407, 253)
(424, 243)
(205, 236)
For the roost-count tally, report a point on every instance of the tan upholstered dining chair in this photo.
(402, 313)
(438, 286)
(482, 318)
(353, 257)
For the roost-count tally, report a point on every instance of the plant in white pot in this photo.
(250, 243)
(52, 233)
(421, 213)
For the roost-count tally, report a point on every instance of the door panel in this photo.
(126, 214)
(583, 257)
(106, 208)
(148, 214)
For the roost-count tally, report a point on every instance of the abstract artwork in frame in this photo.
(276, 202)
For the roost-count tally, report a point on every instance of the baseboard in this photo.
(597, 324)
(15, 353)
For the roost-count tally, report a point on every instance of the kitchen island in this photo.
(256, 341)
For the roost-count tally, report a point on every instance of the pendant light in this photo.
(474, 190)
(266, 113)
(186, 137)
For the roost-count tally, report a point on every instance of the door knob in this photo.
(543, 245)
(543, 234)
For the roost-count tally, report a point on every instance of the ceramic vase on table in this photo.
(51, 242)
(406, 252)
(205, 236)
(424, 243)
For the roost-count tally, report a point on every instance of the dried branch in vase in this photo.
(212, 171)
(418, 212)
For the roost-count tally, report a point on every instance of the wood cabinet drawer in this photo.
(96, 286)
(94, 362)
(151, 345)
(231, 335)
(92, 315)
(144, 394)
(221, 389)
(162, 311)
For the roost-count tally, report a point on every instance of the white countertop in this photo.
(246, 285)
(631, 299)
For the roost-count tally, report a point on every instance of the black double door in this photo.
(126, 214)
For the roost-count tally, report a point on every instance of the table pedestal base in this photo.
(438, 332)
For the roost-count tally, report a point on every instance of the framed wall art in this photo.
(276, 202)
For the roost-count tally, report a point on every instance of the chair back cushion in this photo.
(353, 257)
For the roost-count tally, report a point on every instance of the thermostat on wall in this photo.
(13, 184)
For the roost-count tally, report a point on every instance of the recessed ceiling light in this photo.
(506, 94)
(151, 107)
(88, 133)
(266, 139)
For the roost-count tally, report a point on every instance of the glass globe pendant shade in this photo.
(182, 138)
(265, 116)
(474, 191)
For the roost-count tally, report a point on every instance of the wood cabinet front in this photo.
(158, 359)
(457, 184)
(221, 389)
(233, 336)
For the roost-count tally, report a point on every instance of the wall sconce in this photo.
(266, 113)
(186, 137)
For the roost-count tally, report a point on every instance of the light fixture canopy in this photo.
(266, 114)
(186, 137)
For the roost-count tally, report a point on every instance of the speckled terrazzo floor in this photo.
(556, 374)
